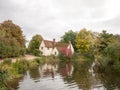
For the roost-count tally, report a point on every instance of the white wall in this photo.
(45, 51)
(70, 45)
(41, 45)
(55, 52)
(41, 48)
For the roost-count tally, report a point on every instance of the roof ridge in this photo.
(48, 40)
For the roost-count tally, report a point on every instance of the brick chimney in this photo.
(54, 42)
(53, 39)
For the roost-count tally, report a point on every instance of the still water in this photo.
(66, 76)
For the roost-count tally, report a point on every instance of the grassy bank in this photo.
(10, 70)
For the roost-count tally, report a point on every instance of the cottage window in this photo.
(41, 53)
(55, 53)
(41, 48)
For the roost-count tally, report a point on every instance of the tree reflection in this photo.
(81, 75)
(65, 68)
(76, 72)
(15, 83)
(110, 80)
(34, 73)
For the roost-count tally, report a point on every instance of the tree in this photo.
(13, 31)
(12, 41)
(34, 44)
(103, 40)
(69, 36)
(111, 56)
(113, 50)
(84, 41)
(108, 50)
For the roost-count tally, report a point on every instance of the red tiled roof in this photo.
(61, 46)
(49, 44)
(58, 45)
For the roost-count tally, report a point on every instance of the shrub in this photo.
(33, 64)
(36, 52)
(5, 75)
(38, 60)
(62, 57)
(7, 61)
(21, 66)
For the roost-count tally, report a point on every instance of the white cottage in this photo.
(48, 48)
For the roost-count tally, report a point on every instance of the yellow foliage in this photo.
(84, 40)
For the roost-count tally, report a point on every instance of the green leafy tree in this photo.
(84, 41)
(103, 40)
(34, 44)
(108, 50)
(117, 37)
(69, 36)
(13, 31)
(113, 52)
(12, 41)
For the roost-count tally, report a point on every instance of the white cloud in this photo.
(51, 18)
(89, 11)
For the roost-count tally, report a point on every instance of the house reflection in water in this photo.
(48, 70)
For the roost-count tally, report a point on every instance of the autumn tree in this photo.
(69, 36)
(108, 48)
(12, 41)
(84, 41)
(103, 40)
(34, 44)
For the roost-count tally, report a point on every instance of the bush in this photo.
(61, 56)
(36, 52)
(7, 61)
(5, 75)
(38, 60)
(33, 64)
(21, 66)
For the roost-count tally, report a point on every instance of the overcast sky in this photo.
(52, 18)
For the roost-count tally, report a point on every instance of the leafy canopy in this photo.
(69, 36)
(34, 44)
(84, 41)
(12, 41)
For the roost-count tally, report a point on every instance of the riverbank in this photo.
(26, 57)
(11, 68)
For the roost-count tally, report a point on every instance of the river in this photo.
(67, 75)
